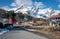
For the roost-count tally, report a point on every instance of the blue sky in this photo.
(5, 2)
(54, 4)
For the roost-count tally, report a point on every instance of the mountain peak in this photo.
(36, 12)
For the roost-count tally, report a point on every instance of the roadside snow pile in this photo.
(30, 29)
(2, 31)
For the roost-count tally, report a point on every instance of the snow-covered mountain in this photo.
(36, 12)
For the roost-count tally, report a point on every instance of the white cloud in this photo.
(21, 2)
(18, 3)
(8, 8)
(27, 3)
(13, 4)
(39, 4)
(5, 7)
(59, 5)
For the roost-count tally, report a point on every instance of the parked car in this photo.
(1, 25)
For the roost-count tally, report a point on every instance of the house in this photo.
(55, 20)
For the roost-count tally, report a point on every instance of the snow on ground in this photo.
(2, 31)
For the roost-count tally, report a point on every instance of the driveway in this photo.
(21, 34)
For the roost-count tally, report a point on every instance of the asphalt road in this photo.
(21, 34)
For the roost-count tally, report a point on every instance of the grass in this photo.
(46, 30)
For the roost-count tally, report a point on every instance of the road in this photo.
(21, 34)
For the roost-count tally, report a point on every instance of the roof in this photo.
(55, 16)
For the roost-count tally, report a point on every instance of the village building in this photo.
(55, 20)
